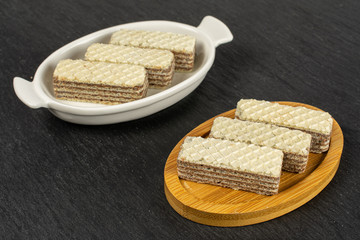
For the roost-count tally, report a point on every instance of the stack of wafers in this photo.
(104, 83)
(183, 46)
(99, 82)
(236, 165)
(248, 152)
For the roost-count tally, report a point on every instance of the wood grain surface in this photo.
(65, 181)
(218, 206)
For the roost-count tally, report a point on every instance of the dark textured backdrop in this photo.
(62, 181)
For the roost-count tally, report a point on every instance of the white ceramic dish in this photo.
(209, 34)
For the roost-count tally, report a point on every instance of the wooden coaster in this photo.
(217, 206)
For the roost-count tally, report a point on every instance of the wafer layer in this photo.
(316, 123)
(99, 82)
(159, 64)
(295, 144)
(230, 164)
(183, 46)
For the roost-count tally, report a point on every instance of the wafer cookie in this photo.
(159, 64)
(316, 123)
(99, 82)
(236, 165)
(294, 144)
(183, 46)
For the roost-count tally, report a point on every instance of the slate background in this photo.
(65, 181)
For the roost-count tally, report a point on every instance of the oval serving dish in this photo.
(39, 93)
(224, 207)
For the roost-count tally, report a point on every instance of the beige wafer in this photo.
(295, 144)
(99, 82)
(183, 46)
(159, 64)
(236, 165)
(316, 123)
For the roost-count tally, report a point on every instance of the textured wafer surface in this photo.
(161, 40)
(96, 87)
(123, 75)
(282, 115)
(149, 58)
(224, 182)
(228, 172)
(100, 93)
(292, 141)
(232, 155)
(92, 99)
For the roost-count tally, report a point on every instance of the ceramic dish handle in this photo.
(26, 93)
(216, 30)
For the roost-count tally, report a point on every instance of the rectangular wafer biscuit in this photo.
(160, 64)
(183, 46)
(316, 123)
(294, 144)
(236, 165)
(99, 82)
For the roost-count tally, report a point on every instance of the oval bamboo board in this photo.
(217, 206)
